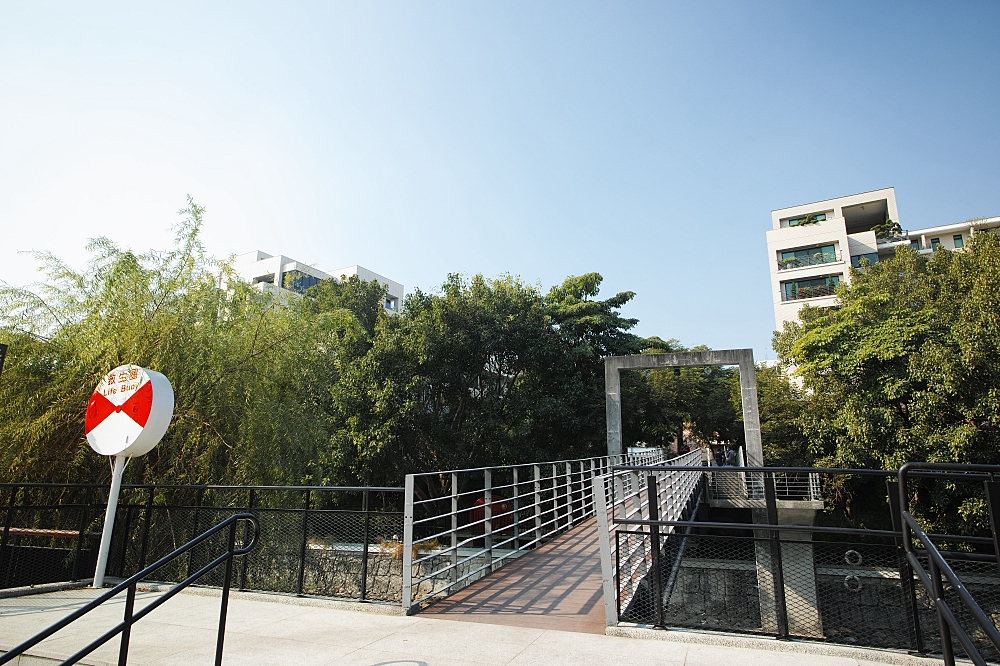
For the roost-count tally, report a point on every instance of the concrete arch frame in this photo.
(743, 358)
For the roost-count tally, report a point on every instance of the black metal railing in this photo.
(937, 566)
(812, 259)
(744, 566)
(131, 616)
(320, 540)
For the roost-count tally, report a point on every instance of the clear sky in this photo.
(648, 141)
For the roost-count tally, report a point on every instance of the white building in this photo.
(810, 247)
(281, 274)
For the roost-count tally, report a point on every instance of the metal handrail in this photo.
(545, 499)
(947, 622)
(129, 584)
(165, 486)
(813, 259)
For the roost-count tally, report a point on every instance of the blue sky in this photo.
(646, 141)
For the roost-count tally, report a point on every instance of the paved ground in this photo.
(557, 586)
(275, 631)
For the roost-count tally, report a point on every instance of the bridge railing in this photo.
(658, 493)
(790, 569)
(319, 540)
(460, 525)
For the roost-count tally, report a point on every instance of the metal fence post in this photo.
(127, 630)
(517, 525)
(538, 502)
(302, 546)
(590, 484)
(905, 572)
(656, 578)
(224, 605)
(488, 516)
(454, 527)
(947, 651)
(125, 539)
(79, 537)
(6, 536)
(197, 511)
(569, 495)
(364, 547)
(146, 517)
(993, 504)
(243, 573)
(407, 590)
(777, 573)
(604, 546)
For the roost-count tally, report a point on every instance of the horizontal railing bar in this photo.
(541, 465)
(137, 486)
(758, 526)
(449, 566)
(262, 509)
(833, 471)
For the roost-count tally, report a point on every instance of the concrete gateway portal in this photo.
(743, 358)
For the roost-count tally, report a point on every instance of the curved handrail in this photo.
(130, 583)
(939, 566)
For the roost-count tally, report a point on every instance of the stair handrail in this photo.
(125, 626)
(938, 567)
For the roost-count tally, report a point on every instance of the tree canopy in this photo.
(907, 368)
(326, 388)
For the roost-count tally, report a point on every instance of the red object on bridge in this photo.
(498, 520)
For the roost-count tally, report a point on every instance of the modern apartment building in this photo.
(282, 275)
(811, 246)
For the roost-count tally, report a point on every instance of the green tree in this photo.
(241, 367)
(908, 367)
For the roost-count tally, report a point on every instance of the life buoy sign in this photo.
(129, 411)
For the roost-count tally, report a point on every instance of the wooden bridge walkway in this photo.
(557, 586)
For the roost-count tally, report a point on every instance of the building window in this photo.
(812, 288)
(935, 243)
(959, 243)
(915, 245)
(298, 281)
(810, 256)
(872, 258)
(812, 218)
(390, 305)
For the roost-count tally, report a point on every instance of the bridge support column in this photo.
(798, 573)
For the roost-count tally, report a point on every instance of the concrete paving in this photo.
(272, 630)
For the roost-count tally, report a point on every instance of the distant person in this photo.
(730, 457)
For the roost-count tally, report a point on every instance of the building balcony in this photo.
(811, 292)
(811, 259)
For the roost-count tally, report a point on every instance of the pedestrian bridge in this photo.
(525, 555)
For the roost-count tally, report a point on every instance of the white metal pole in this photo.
(408, 544)
(109, 520)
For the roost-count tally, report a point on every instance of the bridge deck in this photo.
(557, 586)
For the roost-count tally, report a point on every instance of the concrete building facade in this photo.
(280, 274)
(811, 247)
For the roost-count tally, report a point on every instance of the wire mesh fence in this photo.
(773, 567)
(48, 534)
(342, 542)
(840, 591)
